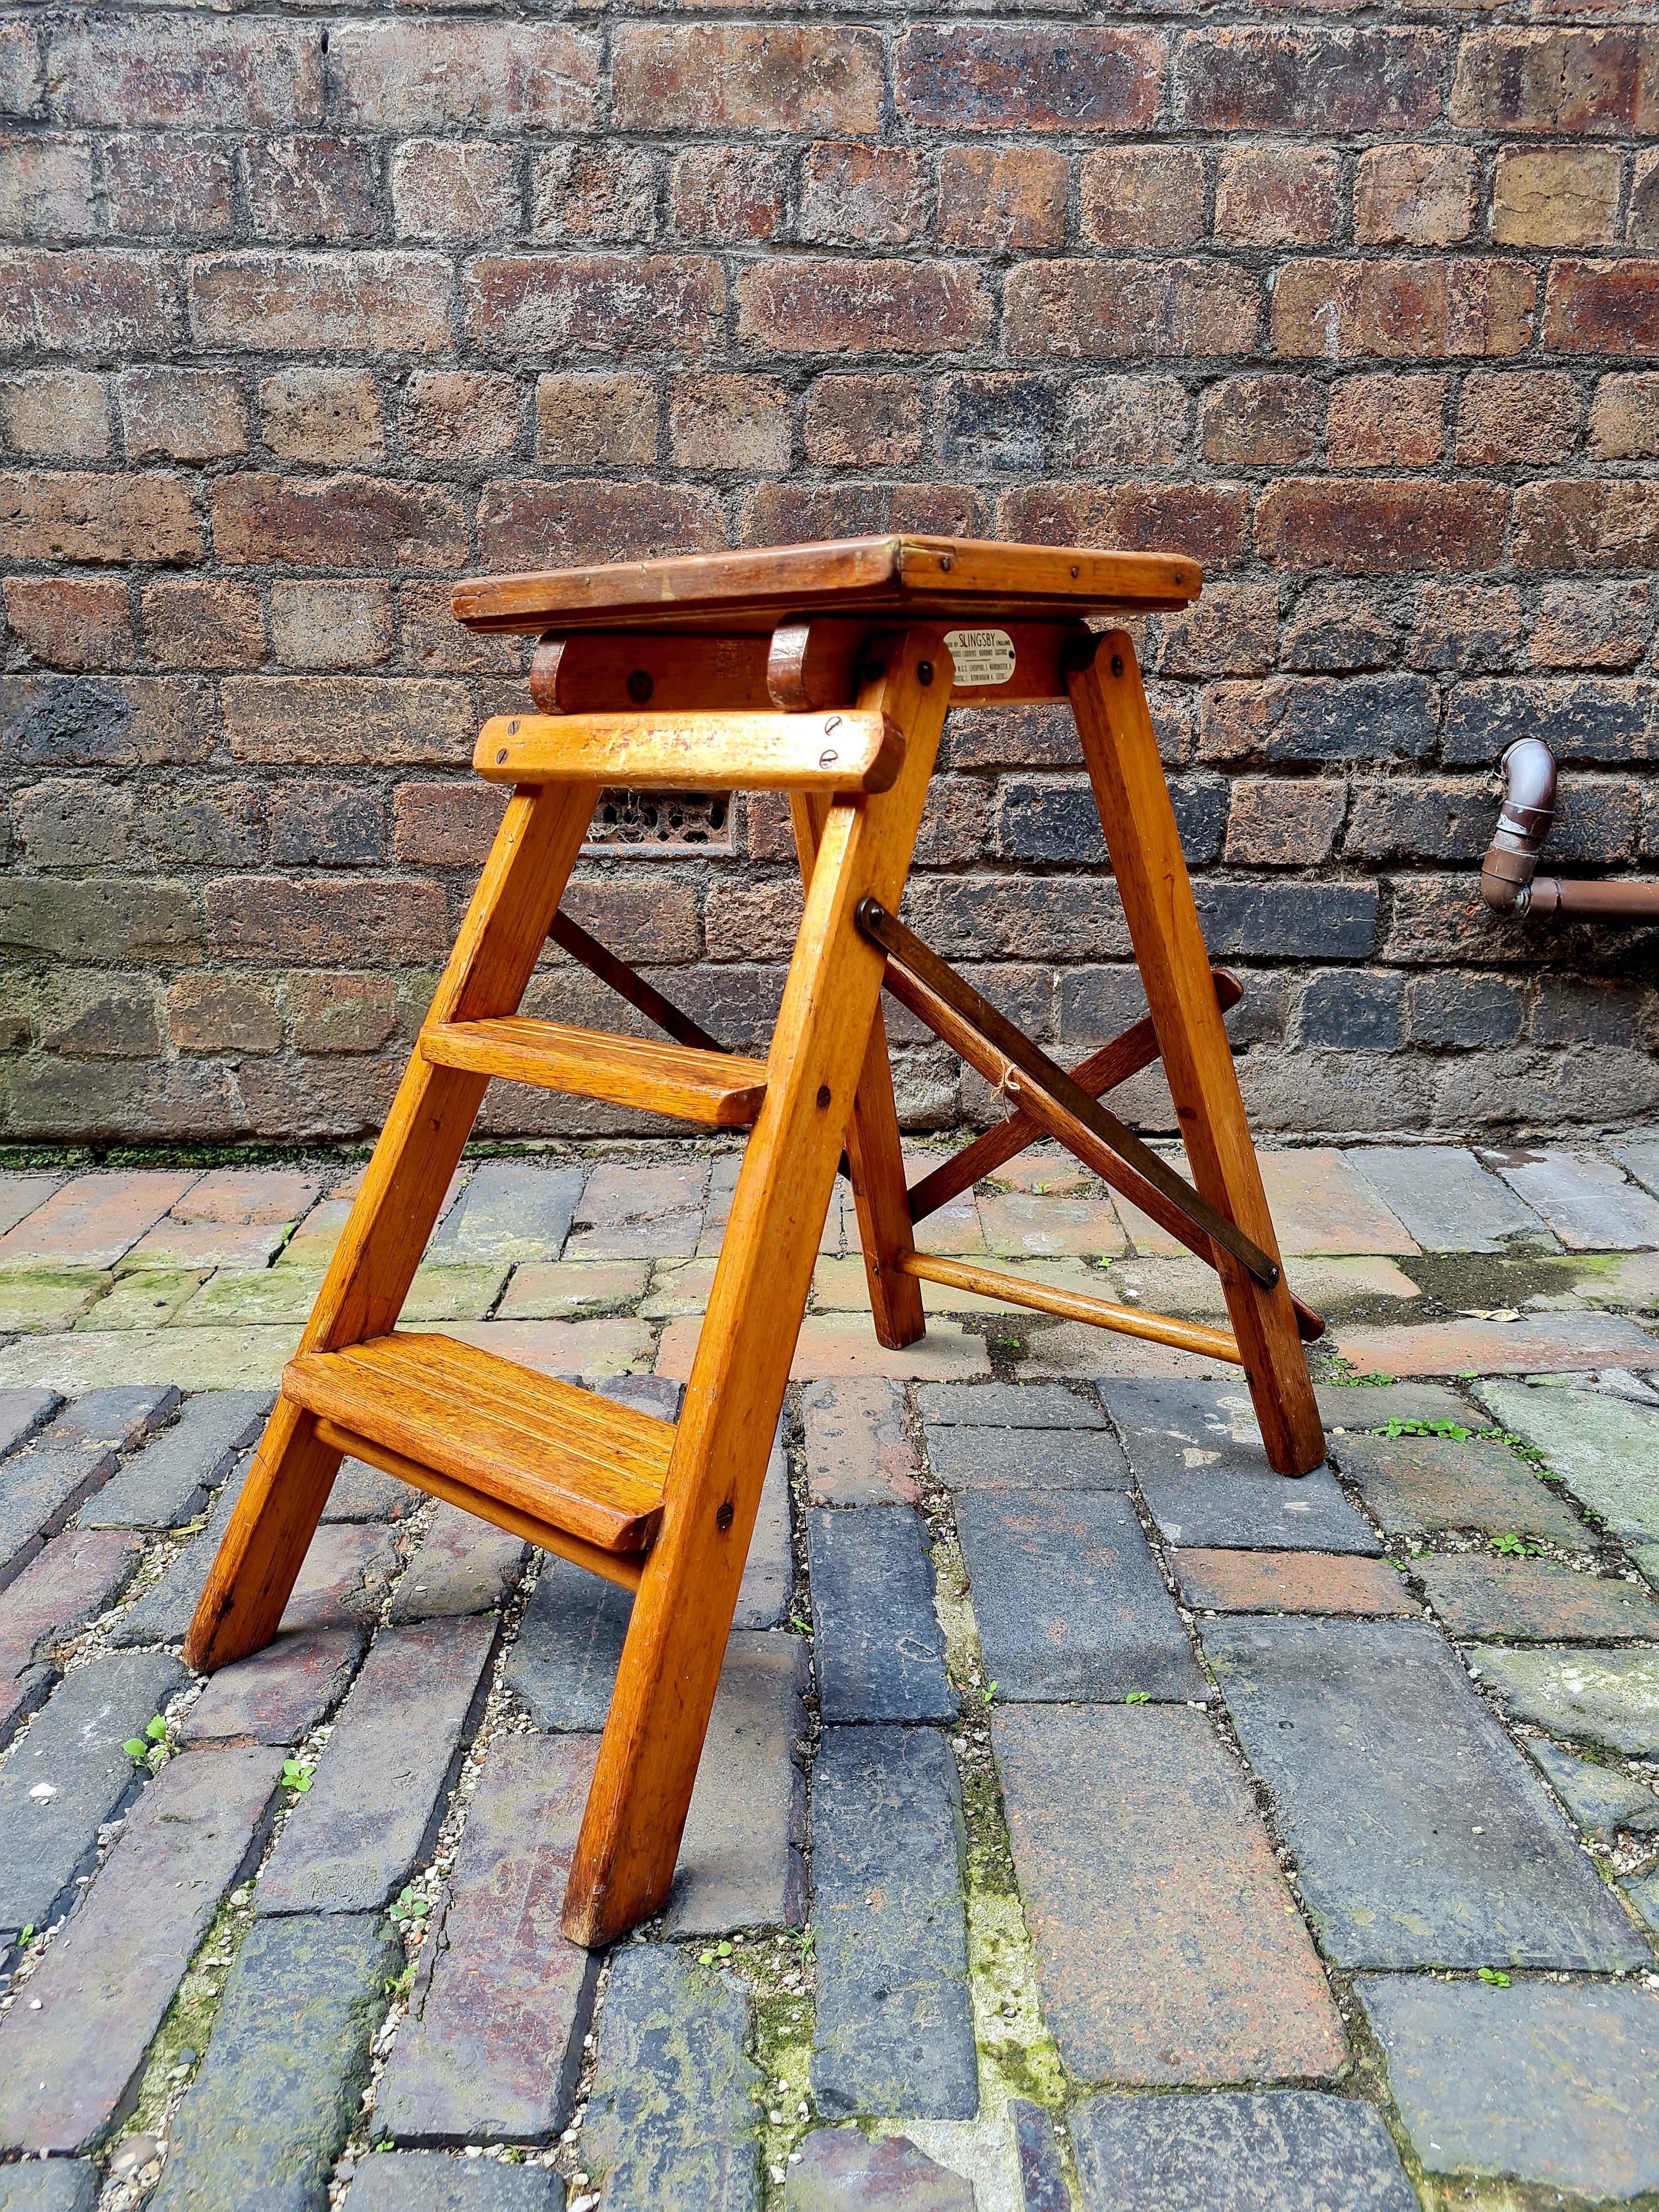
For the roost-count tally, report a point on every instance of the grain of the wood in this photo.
(718, 1090)
(841, 750)
(644, 997)
(1120, 753)
(362, 1293)
(622, 1568)
(616, 673)
(1072, 1305)
(665, 1685)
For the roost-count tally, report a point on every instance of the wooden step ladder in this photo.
(824, 671)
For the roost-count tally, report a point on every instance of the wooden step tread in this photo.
(721, 1090)
(581, 1463)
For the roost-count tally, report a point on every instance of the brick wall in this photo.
(302, 317)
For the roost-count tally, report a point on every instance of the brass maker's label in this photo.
(981, 656)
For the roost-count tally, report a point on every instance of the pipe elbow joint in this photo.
(1527, 767)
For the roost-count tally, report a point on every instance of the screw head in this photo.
(640, 687)
(501, 758)
(1117, 664)
(943, 560)
(512, 729)
(823, 1095)
(924, 673)
(723, 1516)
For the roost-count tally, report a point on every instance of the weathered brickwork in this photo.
(300, 319)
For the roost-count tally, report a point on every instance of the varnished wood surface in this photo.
(717, 1089)
(841, 751)
(1072, 1305)
(919, 579)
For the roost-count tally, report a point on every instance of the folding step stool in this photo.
(824, 671)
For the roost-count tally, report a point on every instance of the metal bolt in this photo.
(640, 687)
(924, 673)
(823, 1095)
(828, 759)
(1074, 567)
(1117, 664)
(512, 729)
(724, 1516)
(943, 560)
(501, 758)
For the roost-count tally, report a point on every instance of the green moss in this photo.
(781, 2045)
(190, 2019)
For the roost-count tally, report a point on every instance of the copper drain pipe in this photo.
(1507, 884)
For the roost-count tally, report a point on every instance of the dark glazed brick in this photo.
(1532, 1601)
(841, 2167)
(279, 2086)
(894, 2024)
(1037, 76)
(1167, 1951)
(1600, 1798)
(1232, 2153)
(1464, 1011)
(1007, 1405)
(570, 1645)
(1041, 2170)
(167, 1482)
(492, 2043)
(670, 2116)
(462, 1565)
(879, 1647)
(1353, 1011)
(65, 2069)
(325, 825)
(1068, 1600)
(21, 1413)
(1493, 2082)
(1309, 720)
(1018, 1458)
(1286, 921)
(997, 422)
(1440, 1482)
(64, 1586)
(279, 1694)
(377, 1797)
(1588, 718)
(61, 2184)
(1316, 80)
(436, 2181)
(1422, 1837)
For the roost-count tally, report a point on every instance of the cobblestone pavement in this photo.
(1064, 1758)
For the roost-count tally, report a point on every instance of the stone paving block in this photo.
(491, 2045)
(768, 1572)
(682, 1287)
(618, 1191)
(203, 1244)
(462, 1564)
(1019, 1225)
(566, 1290)
(280, 1297)
(1197, 1453)
(1021, 1459)
(650, 1393)
(20, 1194)
(66, 2069)
(1447, 1199)
(895, 2031)
(509, 1211)
(1644, 1895)
(1537, 1344)
(1639, 1155)
(1290, 2148)
(953, 1228)
(363, 1493)
(1289, 1582)
(857, 1450)
(279, 1694)
(312, 1245)
(68, 1582)
(1043, 2185)
(740, 1857)
(1414, 1484)
(43, 1486)
(1168, 1949)
(115, 1417)
(1606, 1448)
(1007, 1405)
(878, 1645)
(1320, 1202)
(840, 2169)
(1069, 1600)
(1185, 1285)
(1600, 1798)
(61, 2184)
(563, 1664)
(841, 1344)
(73, 1751)
(249, 1194)
(573, 1350)
(1533, 1602)
(146, 1297)
(264, 2118)
(378, 1795)
(452, 1293)
(342, 1581)
(91, 1221)
(1645, 1557)
(1555, 2088)
(38, 1300)
(661, 1237)
(1619, 1279)
(1589, 1202)
(1345, 1407)
(670, 2118)
(167, 1482)
(1609, 1698)
(1422, 1835)
(21, 1413)
(436, 2181)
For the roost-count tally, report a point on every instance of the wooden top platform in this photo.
(969, 579)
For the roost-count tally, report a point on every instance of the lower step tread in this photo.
(721, 1090)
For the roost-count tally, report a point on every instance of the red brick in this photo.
(768, 834)
(1231, 631)
(339, 522)
(1464, 628)
(797, 515)
(1338, 627)
(856, 195)
(1624, 418)
(87, 300)
(1256, 422)
(1414, 195)
(612, 302)
(1327, 80)
(1387, 422)
(47, 188)
(1592, 626)
(312, 187)
(1030, 76)
(1276, 196)
(46, 517)
(1100, 310)
(168, 187)
(454, 188)
(326, 921)
(863, 422)
(605, 422)
(1289, 1582)
(331, 625)
(1273, 824)
(1143, 196)
(346, 720)
(729, 195)
(372, 303)
(342, 1014)
(446, 825)
(1602, 307)
(329, 416)
(1402, 310)
(1516, 420)
(435, 644)
(1127, 422)
(70, 625)
(863, 306)
(446, 77)
(58, 414)
(22, 86)
(219, 1013)
(600, 190)
(1571, 524)
(1555, 197)
(1642, 223)
(1380, 526)
(540, 526)
(203, 625)
(182, 413)
(131, 72)
(745, 76)
(1005, 199)
(1206, 521)
(739, 422)
(1588, 83)
(457, 415)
